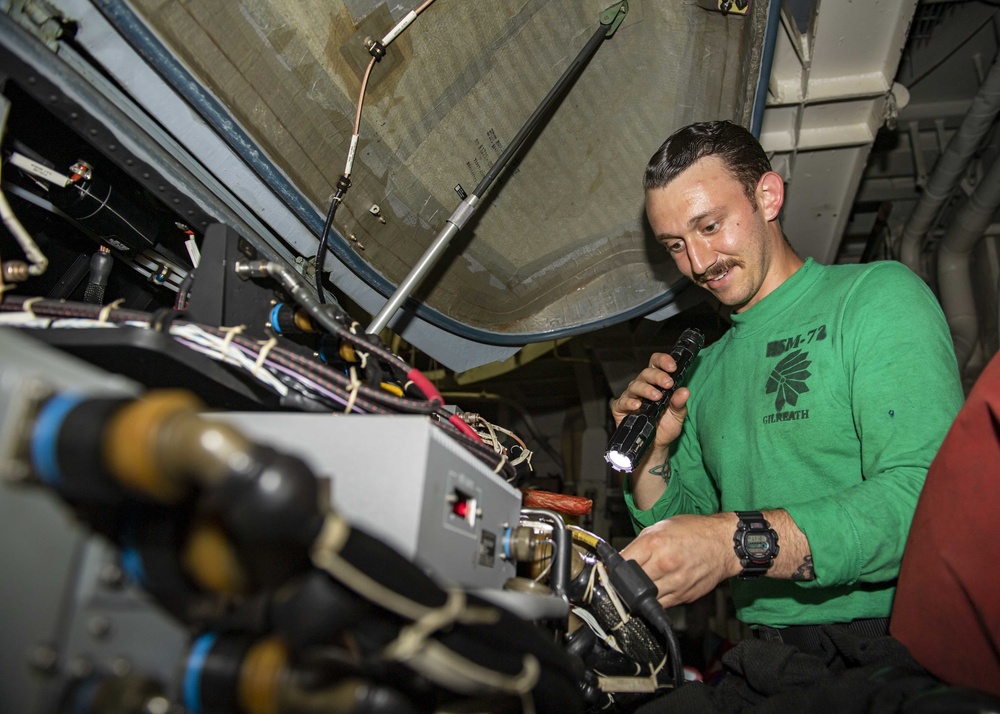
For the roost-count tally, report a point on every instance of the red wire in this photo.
(425, 386)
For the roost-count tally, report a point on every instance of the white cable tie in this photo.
(400, 26)
(332, 536)
(231, 332)
(354, 325)
(266, 347)
(26, 306)
(412, 637)
(612, 593)
(106, 310)
(355, 384)
(364, 359)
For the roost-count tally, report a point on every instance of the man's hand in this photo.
(650, 477)
(686, 556)
(649, 384)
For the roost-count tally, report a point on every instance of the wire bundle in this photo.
(279, 368)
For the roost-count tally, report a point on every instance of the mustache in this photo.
(717, 269)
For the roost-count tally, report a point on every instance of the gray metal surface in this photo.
(394, 476)
(66, 614)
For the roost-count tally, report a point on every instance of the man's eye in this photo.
(675, 247)
(710, 228)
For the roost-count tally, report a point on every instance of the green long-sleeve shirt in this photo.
(828, 398)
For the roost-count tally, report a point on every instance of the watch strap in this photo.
(757, 555)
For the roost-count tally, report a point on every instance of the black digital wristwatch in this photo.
(755, 543)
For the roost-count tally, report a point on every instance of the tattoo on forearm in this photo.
(663, 471)
(805, 571)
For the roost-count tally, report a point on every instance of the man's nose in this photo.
(701, 255)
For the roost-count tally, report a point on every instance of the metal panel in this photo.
(396, 477)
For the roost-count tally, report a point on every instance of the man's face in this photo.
(716, 238)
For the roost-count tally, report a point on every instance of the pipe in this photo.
(950, 167)
(954, 273)
(562, 552)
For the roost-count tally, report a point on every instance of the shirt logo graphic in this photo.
(788, 379)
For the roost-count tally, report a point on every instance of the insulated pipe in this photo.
(950, 166)
(954, 274)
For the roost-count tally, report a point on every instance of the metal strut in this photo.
(610, 19)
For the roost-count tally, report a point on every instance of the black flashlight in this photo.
(635, 433)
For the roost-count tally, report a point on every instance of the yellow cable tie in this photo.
(266, 347)
(106, 310)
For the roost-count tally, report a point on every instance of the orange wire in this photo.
(361, 96)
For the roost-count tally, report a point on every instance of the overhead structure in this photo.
(558, 245)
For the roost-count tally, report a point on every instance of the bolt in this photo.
(374, 210)
(99, 626)
(157, 705)
(43, 658)
(111, 575)
(81, 667)
(13, 471)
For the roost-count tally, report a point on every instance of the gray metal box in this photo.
(405, 481)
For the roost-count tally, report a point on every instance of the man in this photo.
(815, 416)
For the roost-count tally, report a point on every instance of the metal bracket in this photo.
(614, 16)
(726, 7)
(40, 18)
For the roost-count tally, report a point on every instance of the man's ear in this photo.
(770, 194)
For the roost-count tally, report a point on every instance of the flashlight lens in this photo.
(618, 461)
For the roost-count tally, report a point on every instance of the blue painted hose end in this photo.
(273, 318)
(193, 670)
(45, 436)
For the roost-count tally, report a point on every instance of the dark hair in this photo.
(739, 150)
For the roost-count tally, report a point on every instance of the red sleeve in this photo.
(947, 607)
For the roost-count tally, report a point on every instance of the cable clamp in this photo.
(105, 313)
(375, 48)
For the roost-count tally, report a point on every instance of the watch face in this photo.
(757, 546)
